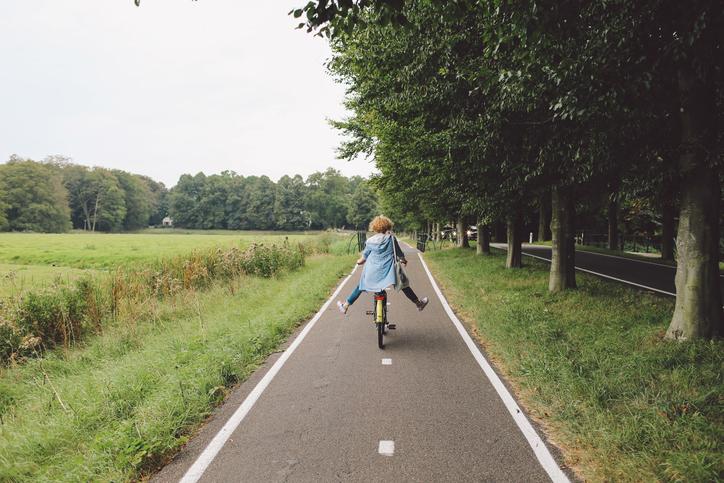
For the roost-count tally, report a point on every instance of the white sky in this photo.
(172, 87)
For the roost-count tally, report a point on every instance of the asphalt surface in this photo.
(645, 274)
(324, 414)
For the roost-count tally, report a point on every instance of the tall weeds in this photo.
(64, 315)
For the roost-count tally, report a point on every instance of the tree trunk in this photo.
(462, 238)
(667, 231)
(668, 196)
(515, 241)
(563, 267)
(698, 311)
(95, 212)
(483, 244)
(613, 222)
(544, 232)
(86, 216)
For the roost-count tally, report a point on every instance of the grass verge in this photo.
(115, 407)
(591, 366)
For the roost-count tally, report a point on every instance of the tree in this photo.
(3, 216)
(326, 200)
(158, 200)
(260, 211)
(33, 196)
(137, 200)
(184, 200)
(289, 211)
(362, 207)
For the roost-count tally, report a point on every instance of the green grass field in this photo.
(16, 279)
(31, 260)
(108, 250)
(592, 367)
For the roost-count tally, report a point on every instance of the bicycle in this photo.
(379, 317)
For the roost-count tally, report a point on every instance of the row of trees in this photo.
(493, 110)
(56, 195)
(230, 201)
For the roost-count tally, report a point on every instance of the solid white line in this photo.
(580, 250)
(627, 282)
(386, 448)
(207, 456)
(608, 276)
(536, 443)
(386, 362)
(583, 250)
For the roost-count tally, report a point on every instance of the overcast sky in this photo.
(172, 87)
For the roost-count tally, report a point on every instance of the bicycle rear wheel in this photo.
(380, 335)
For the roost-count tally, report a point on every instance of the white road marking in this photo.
(603, 275)
(207, 456)
(614, 256)
(608, 276)
(386, 448)
(386, 362)
(536, 443)
(658, 264)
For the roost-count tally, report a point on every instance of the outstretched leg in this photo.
(410, 294)
(350, 300)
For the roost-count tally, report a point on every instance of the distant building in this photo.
(167, 221)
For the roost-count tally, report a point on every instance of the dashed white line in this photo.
(386, 362)
(207, 456)
(386, 448)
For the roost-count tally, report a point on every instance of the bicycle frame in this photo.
(379, 317)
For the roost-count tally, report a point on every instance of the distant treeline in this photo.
(56, 195)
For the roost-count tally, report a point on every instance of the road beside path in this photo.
(324, 416)
(641, 273)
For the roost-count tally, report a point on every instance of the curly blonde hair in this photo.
(381, 224)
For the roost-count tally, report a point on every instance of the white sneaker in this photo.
(342, 307)
(423, 303)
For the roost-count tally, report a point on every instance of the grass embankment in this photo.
(116, 406)
(591, 365)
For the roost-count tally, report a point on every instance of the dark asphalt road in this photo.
(323, 415)
(645, 274)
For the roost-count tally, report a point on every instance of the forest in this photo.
(56, 195)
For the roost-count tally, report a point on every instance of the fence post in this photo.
(361, 240)
(422, 242)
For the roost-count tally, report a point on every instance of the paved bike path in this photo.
(642, 273)
(324, 414)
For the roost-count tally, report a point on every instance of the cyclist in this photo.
(379, 271)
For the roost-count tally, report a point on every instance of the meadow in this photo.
(108, 250)
(114, 401)
(35, 261)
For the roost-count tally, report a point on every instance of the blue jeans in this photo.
(409, 293)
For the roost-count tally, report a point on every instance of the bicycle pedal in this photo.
(370, 312)
(391, 326)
